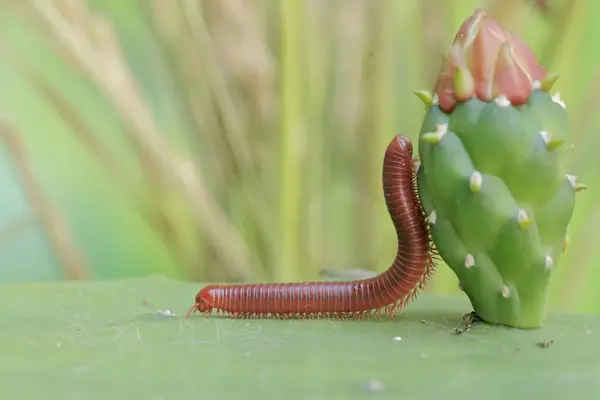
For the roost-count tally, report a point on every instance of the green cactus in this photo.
(492, 176)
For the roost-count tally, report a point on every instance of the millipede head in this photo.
(404, 143)
(202, 304)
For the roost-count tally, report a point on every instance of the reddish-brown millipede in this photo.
(387, 292)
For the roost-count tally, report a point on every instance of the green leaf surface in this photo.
(109, 340)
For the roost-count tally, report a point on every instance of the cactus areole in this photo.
(492, 177)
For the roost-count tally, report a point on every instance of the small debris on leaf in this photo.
(166, 313)
(467, 322)
(374, 386)
(397, 339)
(544, 344)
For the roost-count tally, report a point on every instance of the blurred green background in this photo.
(242, 140)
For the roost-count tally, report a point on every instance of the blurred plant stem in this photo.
(55, 226)
(293, 144)
(510, 13)
(94, 46)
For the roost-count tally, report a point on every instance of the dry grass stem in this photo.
(92, 41)
(157, 219)
(55, 226)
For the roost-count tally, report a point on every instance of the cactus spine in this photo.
(492, 176)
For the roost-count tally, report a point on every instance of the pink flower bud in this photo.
(490, 62)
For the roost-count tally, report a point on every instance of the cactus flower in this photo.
(493, 176)
(485, 61)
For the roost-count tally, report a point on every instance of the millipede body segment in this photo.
(387, 292)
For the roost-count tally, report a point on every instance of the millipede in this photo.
(388, 292)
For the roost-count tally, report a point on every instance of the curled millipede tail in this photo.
(387, 292)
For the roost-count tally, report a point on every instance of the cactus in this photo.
(492, 176)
